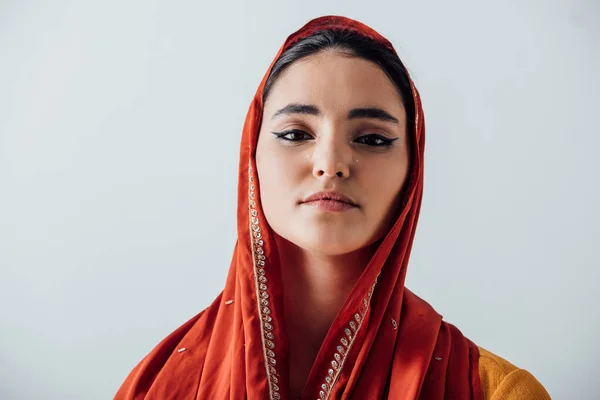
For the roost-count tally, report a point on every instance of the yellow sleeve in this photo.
(500, 380)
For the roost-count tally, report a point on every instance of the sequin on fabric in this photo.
(262, 295)
(346, 342)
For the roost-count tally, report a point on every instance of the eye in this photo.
(292, 135)
(374, 140)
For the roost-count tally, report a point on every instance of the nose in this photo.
(331, 159)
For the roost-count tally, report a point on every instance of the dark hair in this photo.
(352, 44)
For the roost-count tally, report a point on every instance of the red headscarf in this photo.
(385, 343)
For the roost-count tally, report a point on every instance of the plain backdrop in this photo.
(120, 124)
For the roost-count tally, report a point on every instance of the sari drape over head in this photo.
(385, 343)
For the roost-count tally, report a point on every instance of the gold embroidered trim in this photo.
(346, 342)
(264, 310)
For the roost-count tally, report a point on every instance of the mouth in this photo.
(330, 201)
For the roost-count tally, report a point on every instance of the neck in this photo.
(315, 287)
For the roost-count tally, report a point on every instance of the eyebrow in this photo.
(355, 113)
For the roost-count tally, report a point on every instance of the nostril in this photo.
(337, 174)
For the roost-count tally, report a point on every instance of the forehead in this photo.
(334, 82)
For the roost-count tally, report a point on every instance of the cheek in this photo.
(272, 170)
(384, 188)
(278, 171)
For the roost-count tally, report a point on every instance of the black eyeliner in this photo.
(386, 141)
(280, 135)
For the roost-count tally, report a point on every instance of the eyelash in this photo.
(383, 141)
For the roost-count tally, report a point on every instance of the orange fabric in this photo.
(384, 343)
(500, 380)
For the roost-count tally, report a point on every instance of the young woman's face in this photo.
(333, 125)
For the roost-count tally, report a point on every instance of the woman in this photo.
(314, 307)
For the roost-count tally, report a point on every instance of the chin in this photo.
(327, 238)
(329, 244)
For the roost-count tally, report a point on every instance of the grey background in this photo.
(119, 132)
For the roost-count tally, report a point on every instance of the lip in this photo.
(330, 201)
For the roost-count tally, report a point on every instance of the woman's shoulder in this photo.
(502, 380)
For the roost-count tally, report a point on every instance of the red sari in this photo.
(385, 343)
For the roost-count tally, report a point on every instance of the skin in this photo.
(325, 252)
